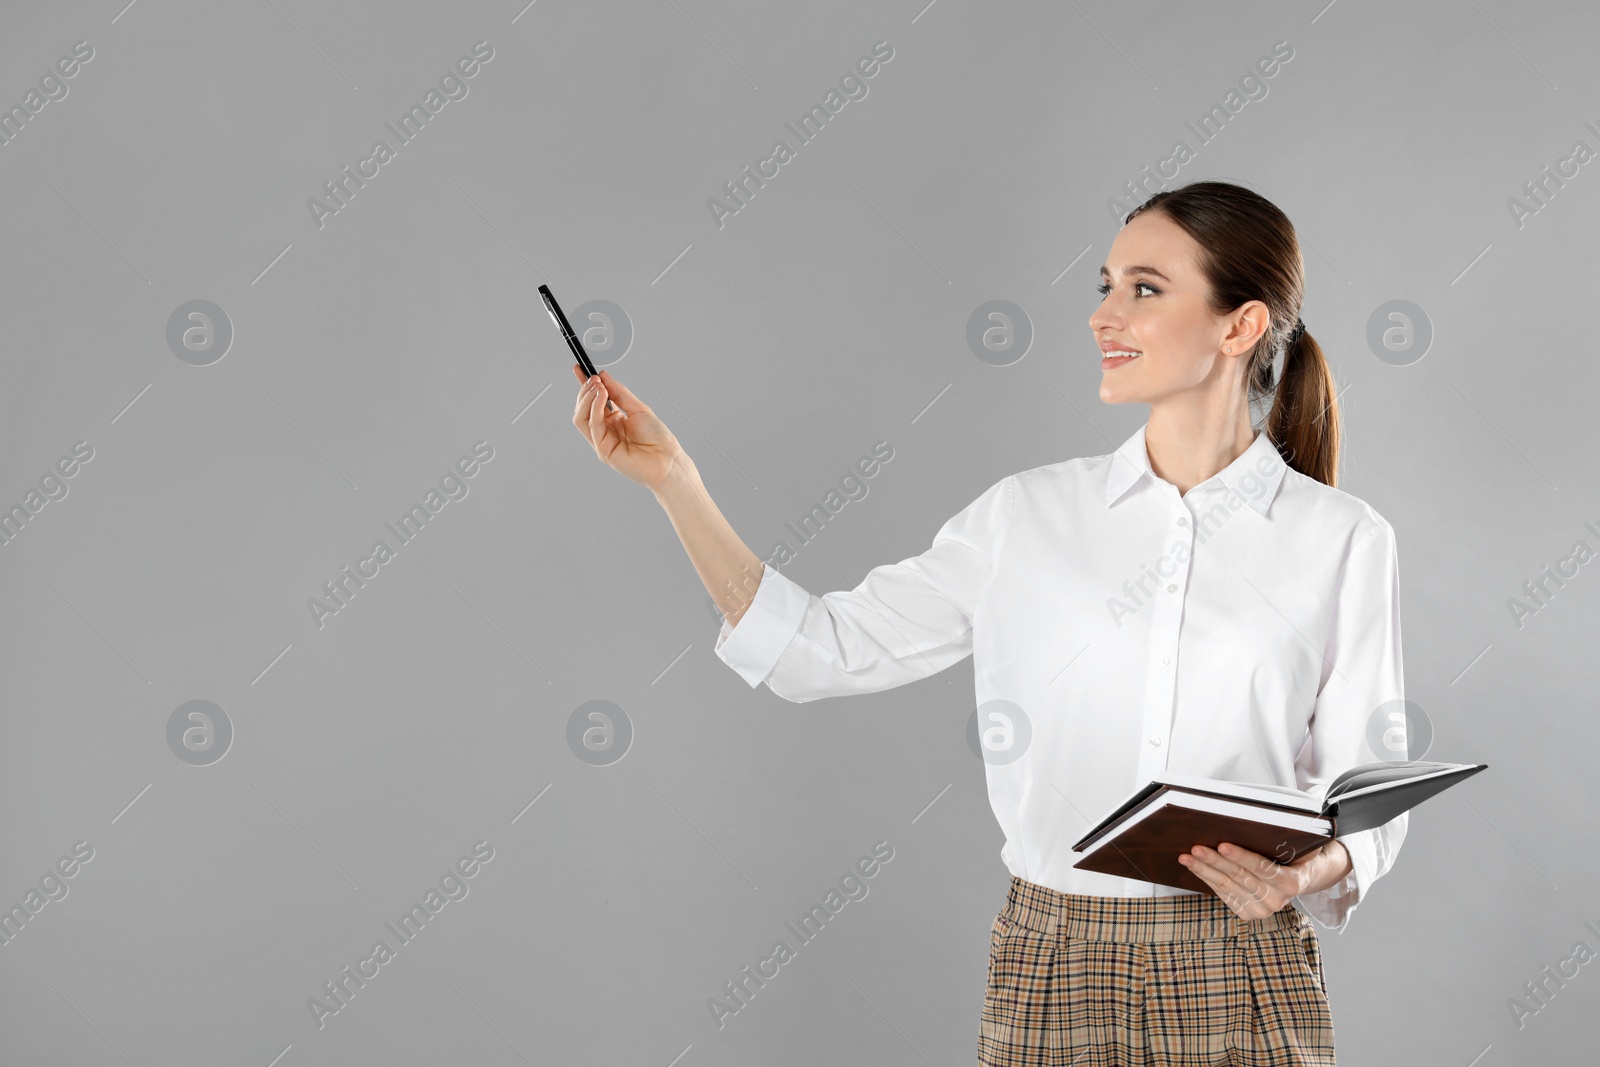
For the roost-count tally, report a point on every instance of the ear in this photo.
(1247, 325)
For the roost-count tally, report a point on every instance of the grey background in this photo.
(433, 711)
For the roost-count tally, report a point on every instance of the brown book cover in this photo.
(1149, 849)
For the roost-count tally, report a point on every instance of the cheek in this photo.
(1178, 364)
(1160, 334)
(1174, 337)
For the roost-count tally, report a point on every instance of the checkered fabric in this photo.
(1181, 981)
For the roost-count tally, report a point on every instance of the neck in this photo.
(1189, 443)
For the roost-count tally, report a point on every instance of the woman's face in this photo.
(1155, 304)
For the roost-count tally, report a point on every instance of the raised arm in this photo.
(904, 621)
(638, 445)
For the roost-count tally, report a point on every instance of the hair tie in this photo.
(1294, 334)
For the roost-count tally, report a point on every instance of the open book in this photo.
(1143, 836)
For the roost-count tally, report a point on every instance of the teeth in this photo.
(1129, 355)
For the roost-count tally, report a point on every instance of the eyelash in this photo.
(1105, 289)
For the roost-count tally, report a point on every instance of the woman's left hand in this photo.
(1248, 882)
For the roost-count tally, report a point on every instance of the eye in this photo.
(1104, 289)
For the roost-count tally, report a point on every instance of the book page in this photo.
(1313, 823)
(1371, 774)
(1221, 806)
(1280, 795)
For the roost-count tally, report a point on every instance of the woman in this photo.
(1201, 600)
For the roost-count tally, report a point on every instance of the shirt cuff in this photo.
(766, 628)
(1333, 906)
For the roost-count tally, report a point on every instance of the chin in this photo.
(1119, 396)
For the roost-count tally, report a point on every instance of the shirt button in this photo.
(1156, 742)
(1172, 588)
(1183, 522)
(1165, 661)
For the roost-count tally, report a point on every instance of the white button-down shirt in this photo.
(1245, 630)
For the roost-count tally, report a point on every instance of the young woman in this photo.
(1201, 600)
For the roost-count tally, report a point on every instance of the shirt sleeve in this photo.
(905, 621)
(1362, 670)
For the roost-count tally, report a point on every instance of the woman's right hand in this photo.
(631, 441)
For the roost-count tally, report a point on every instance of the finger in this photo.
(1225, 889)
(1269, 882)
(621, 394)
(580, 406)
(1249, 883)
(1251, 869)
(1220, 862)
(597, 413)
(1251, 861)
(1256, 895)
(1209, 872)
(1202, 870)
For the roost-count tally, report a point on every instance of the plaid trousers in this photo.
(1089, 981)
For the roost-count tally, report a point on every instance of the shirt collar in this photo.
(1255, 475)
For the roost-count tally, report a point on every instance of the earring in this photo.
(1228, 349)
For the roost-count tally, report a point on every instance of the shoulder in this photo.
(1342, 516)
(1041, 490)
(1067, 472)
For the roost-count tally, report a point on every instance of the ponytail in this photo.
(1304, 420)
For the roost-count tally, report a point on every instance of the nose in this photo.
(1105, 317)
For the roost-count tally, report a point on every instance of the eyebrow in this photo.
(1137, 270)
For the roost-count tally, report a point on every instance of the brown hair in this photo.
(1248, 251)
